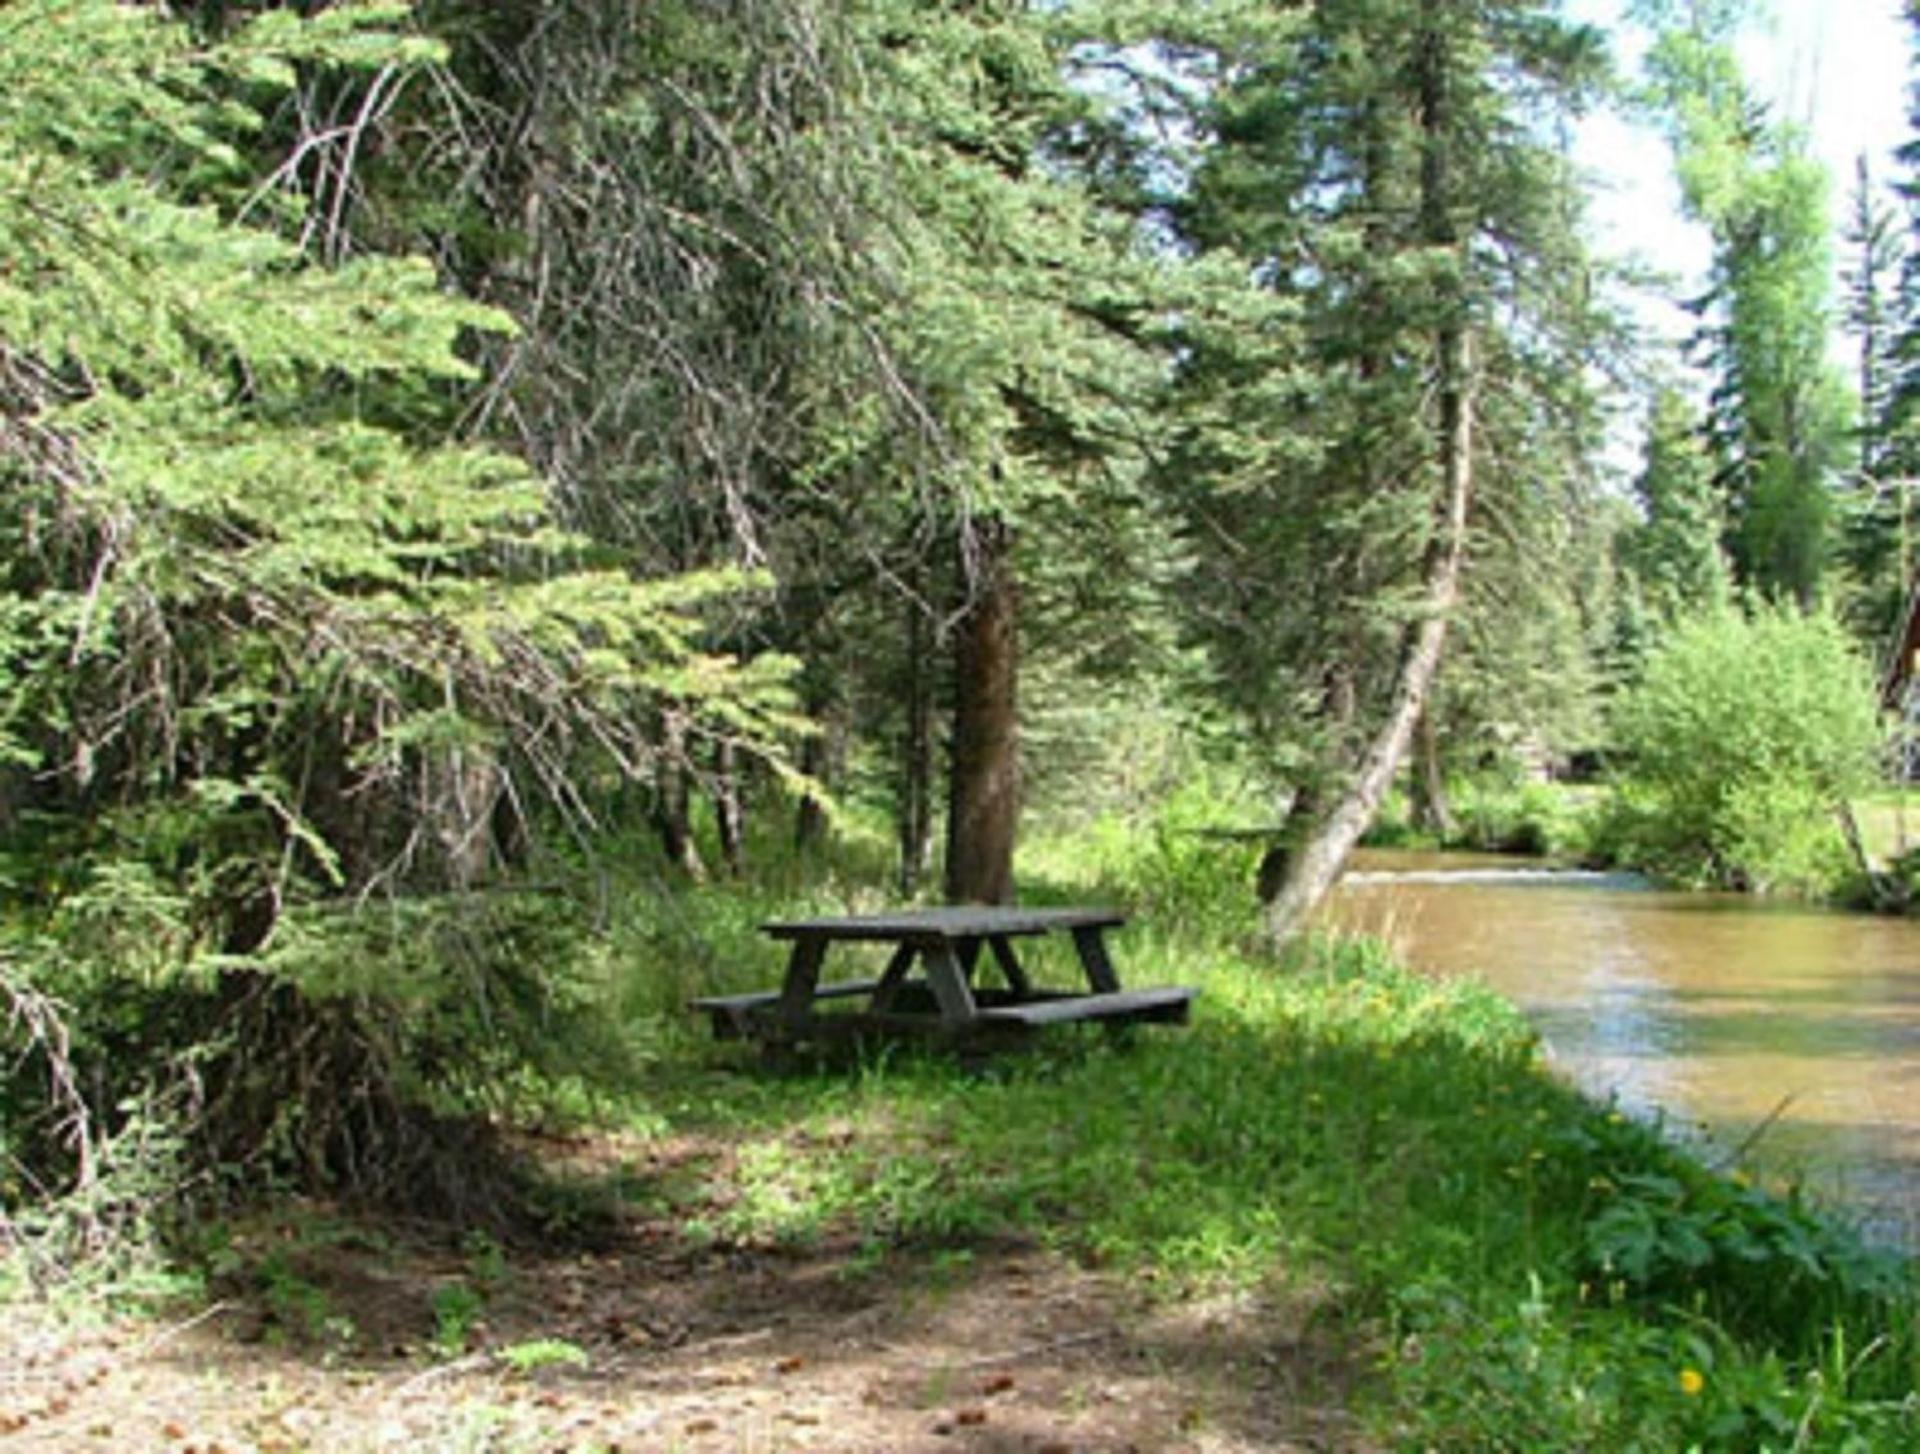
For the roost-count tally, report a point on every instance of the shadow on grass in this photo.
(1313, 1149)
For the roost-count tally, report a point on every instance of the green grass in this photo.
(1529, 1269)
(1520, 1268)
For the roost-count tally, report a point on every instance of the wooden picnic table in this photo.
(943, 1000)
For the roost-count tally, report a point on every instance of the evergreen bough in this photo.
(272, 642)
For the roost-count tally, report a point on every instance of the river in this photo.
(1727, 1015)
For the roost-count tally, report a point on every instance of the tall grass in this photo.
(1527, 1268)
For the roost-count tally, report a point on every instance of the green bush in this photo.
(1187, 864)
(1743, 737)
(1528, 817)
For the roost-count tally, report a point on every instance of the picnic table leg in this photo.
(947, 978)
(1011, 967)
(803, 977)
(895, 975)
(1093, 958)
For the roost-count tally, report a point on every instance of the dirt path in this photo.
(684, 1348)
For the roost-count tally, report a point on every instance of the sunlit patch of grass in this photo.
(1540, 1269)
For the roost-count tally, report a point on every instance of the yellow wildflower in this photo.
(1692, 1380)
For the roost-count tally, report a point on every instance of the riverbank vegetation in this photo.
(1742, 757)
(498, 498)
(1471, 1254)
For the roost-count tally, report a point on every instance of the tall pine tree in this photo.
(1383, 166)
(1779, 409)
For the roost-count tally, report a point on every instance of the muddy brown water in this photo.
(1723, 1015)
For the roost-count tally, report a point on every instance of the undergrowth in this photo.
(1519, 1266)
(1526, 1268)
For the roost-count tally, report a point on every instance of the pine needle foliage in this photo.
(267, 639)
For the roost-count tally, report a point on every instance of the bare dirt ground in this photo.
(688, 1346)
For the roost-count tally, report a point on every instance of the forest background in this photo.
(462, 460)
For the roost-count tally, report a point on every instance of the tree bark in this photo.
(1890, 892)
(916, 755)
(810, 818)
(728, 813)
(983, 809)
(671, 799)
(822, 752)
(1302, 813)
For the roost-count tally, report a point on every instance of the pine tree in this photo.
(1366, 156)
(271, 643)
(1779, 418)
(1674, 553)
(1872, 539)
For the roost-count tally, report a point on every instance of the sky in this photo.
(1837, 67)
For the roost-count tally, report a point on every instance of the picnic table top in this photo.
(971, 921)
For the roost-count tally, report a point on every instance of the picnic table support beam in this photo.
(1010, 966)
(1093, 958)
(893, 977)
(947, 978)
(803, 975)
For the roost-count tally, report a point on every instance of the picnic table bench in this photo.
(942, 1000)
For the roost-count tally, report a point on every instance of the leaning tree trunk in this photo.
(1302, 813)
(983, 809)
(1312, 869)
(1890, 891)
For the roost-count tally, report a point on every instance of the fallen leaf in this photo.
(700, 1426)
(173, 1430)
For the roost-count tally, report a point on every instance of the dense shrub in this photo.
(1744, 736)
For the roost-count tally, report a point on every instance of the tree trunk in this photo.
(460, 791)
(729, 816)
(1312, 870)
(810, 818)
(916, 777)
(1890, 892)
(1431, 810)
(983, 808)
(1302, 812)
(671, 799)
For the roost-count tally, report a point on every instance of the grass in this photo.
(1527, 1269)
(1518, 1266)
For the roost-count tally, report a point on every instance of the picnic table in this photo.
(942, 1000)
